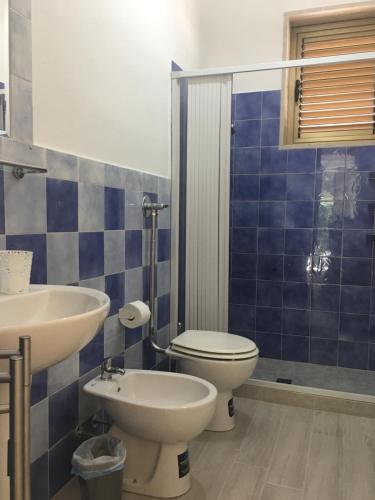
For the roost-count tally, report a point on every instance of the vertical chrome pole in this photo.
(153, 264)
(25, 351)
(151, 209)
(16, 428)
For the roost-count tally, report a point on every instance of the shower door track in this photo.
(287, 64)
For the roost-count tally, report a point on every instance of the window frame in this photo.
(296, 27)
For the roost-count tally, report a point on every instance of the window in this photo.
(336, 102)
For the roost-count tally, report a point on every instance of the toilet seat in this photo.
(214, 345)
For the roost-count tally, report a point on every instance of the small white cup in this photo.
(15, 271)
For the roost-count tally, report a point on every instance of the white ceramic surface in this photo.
(156, 414)
(214, 342)
(61, 320)
(224, 373)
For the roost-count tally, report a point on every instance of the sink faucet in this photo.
(106, 369)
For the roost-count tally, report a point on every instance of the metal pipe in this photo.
(15, 458)
(25, 350)
(153, 272)
(151, 209)
(154, 218)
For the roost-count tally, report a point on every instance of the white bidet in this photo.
(156, 414)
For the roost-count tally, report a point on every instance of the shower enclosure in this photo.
(271, 242)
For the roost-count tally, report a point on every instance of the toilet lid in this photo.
(214, 356)
(214, 344)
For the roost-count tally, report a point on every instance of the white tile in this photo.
(16, 151)
(21, 111)
(62, 258)
(90, 207)
(133, 284)
(133, 209)
(114, 252)
(164, 218)
(164, 278)
(164, 189)
(39, 425)
(88, 404)
(134, 356)
(115, 176)
(134, 180)
(20, 44)
(114, 337)
(61, 165)
(96, 283)
(150, 183)
(91, 171)
(25, 204)
(63, 374)
(164, 196)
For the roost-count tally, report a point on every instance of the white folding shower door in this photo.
(208, 202)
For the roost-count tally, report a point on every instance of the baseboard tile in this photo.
(306, 397)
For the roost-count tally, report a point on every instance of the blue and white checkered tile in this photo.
(84, 222)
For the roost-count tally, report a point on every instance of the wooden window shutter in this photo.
(335, 102)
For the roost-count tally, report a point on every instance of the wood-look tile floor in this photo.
(281, 452)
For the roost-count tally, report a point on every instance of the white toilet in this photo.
(224, 359)
(156, 414)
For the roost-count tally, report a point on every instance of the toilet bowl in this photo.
(224, 359)
(156, 414)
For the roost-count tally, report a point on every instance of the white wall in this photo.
(248, 31)
(101, 83)
(4, 50)
(101, 76)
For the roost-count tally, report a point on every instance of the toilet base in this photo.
(224, 418)
(154, 469)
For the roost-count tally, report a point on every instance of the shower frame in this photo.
(176, 76)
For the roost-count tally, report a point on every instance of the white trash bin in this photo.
(99, 464)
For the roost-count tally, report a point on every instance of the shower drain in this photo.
(284, 380)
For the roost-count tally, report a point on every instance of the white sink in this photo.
(60, 320)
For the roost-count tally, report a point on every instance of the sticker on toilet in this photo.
(183, 464)
(231, 407)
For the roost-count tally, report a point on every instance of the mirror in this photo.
(4, 67)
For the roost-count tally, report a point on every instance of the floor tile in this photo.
(323, 474)
(272, 492)
(289, 460)
(258, 444)
(244, 482)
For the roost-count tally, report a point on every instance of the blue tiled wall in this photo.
(301, 259)
(85, 225)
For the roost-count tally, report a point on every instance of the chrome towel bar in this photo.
(19, 380)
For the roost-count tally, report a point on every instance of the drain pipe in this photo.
(151, 210)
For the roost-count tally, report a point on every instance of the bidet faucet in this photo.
(106, 369)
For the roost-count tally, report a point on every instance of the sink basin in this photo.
(60, 320)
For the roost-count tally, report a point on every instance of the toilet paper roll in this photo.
(134, 314)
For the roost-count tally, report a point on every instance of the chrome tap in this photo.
(106, 369)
